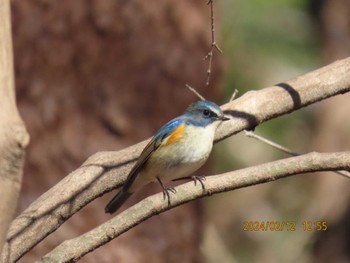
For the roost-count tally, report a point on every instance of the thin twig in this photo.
(195, 92)
(251, 134)
(214, 45)
(234, 94)
(285, 149)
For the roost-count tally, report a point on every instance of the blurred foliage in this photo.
(264, 43)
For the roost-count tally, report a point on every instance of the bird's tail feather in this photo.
(117, 202)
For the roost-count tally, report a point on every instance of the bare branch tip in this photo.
(234, 94)
(218, 48)
(195, 92)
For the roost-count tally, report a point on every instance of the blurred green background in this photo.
(265, 43)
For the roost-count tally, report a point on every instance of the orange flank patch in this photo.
(176, 135)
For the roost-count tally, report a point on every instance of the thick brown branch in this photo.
(107, 170)
(13, 136)
(72, 250)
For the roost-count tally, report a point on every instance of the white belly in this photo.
(179, 159)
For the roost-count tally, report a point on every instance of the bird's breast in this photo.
(182, 158)
(197, 143)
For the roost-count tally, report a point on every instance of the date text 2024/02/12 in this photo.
(284, 226)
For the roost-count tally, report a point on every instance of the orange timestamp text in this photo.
(284, 225)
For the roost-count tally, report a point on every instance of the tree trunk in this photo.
(13, 136)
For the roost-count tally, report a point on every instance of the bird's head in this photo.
(203, 113)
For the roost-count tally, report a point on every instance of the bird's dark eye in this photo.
(206, 112)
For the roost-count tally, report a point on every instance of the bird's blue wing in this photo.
(153, 145)
(167, 129)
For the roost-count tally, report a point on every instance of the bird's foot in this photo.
(200, 179)
(166, 194)
(195, 178)
(166, 191)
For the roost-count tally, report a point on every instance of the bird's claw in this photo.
(200, 179)
(166, 190)
(166, 194)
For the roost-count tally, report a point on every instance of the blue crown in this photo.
(202, 113)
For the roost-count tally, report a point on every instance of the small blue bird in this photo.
(178, 149)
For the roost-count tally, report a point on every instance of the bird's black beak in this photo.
(223, 118)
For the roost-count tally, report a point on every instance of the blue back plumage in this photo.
(168, 128)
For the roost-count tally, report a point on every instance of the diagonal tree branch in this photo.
(105, 171)
(13, 136)
(72, 250)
